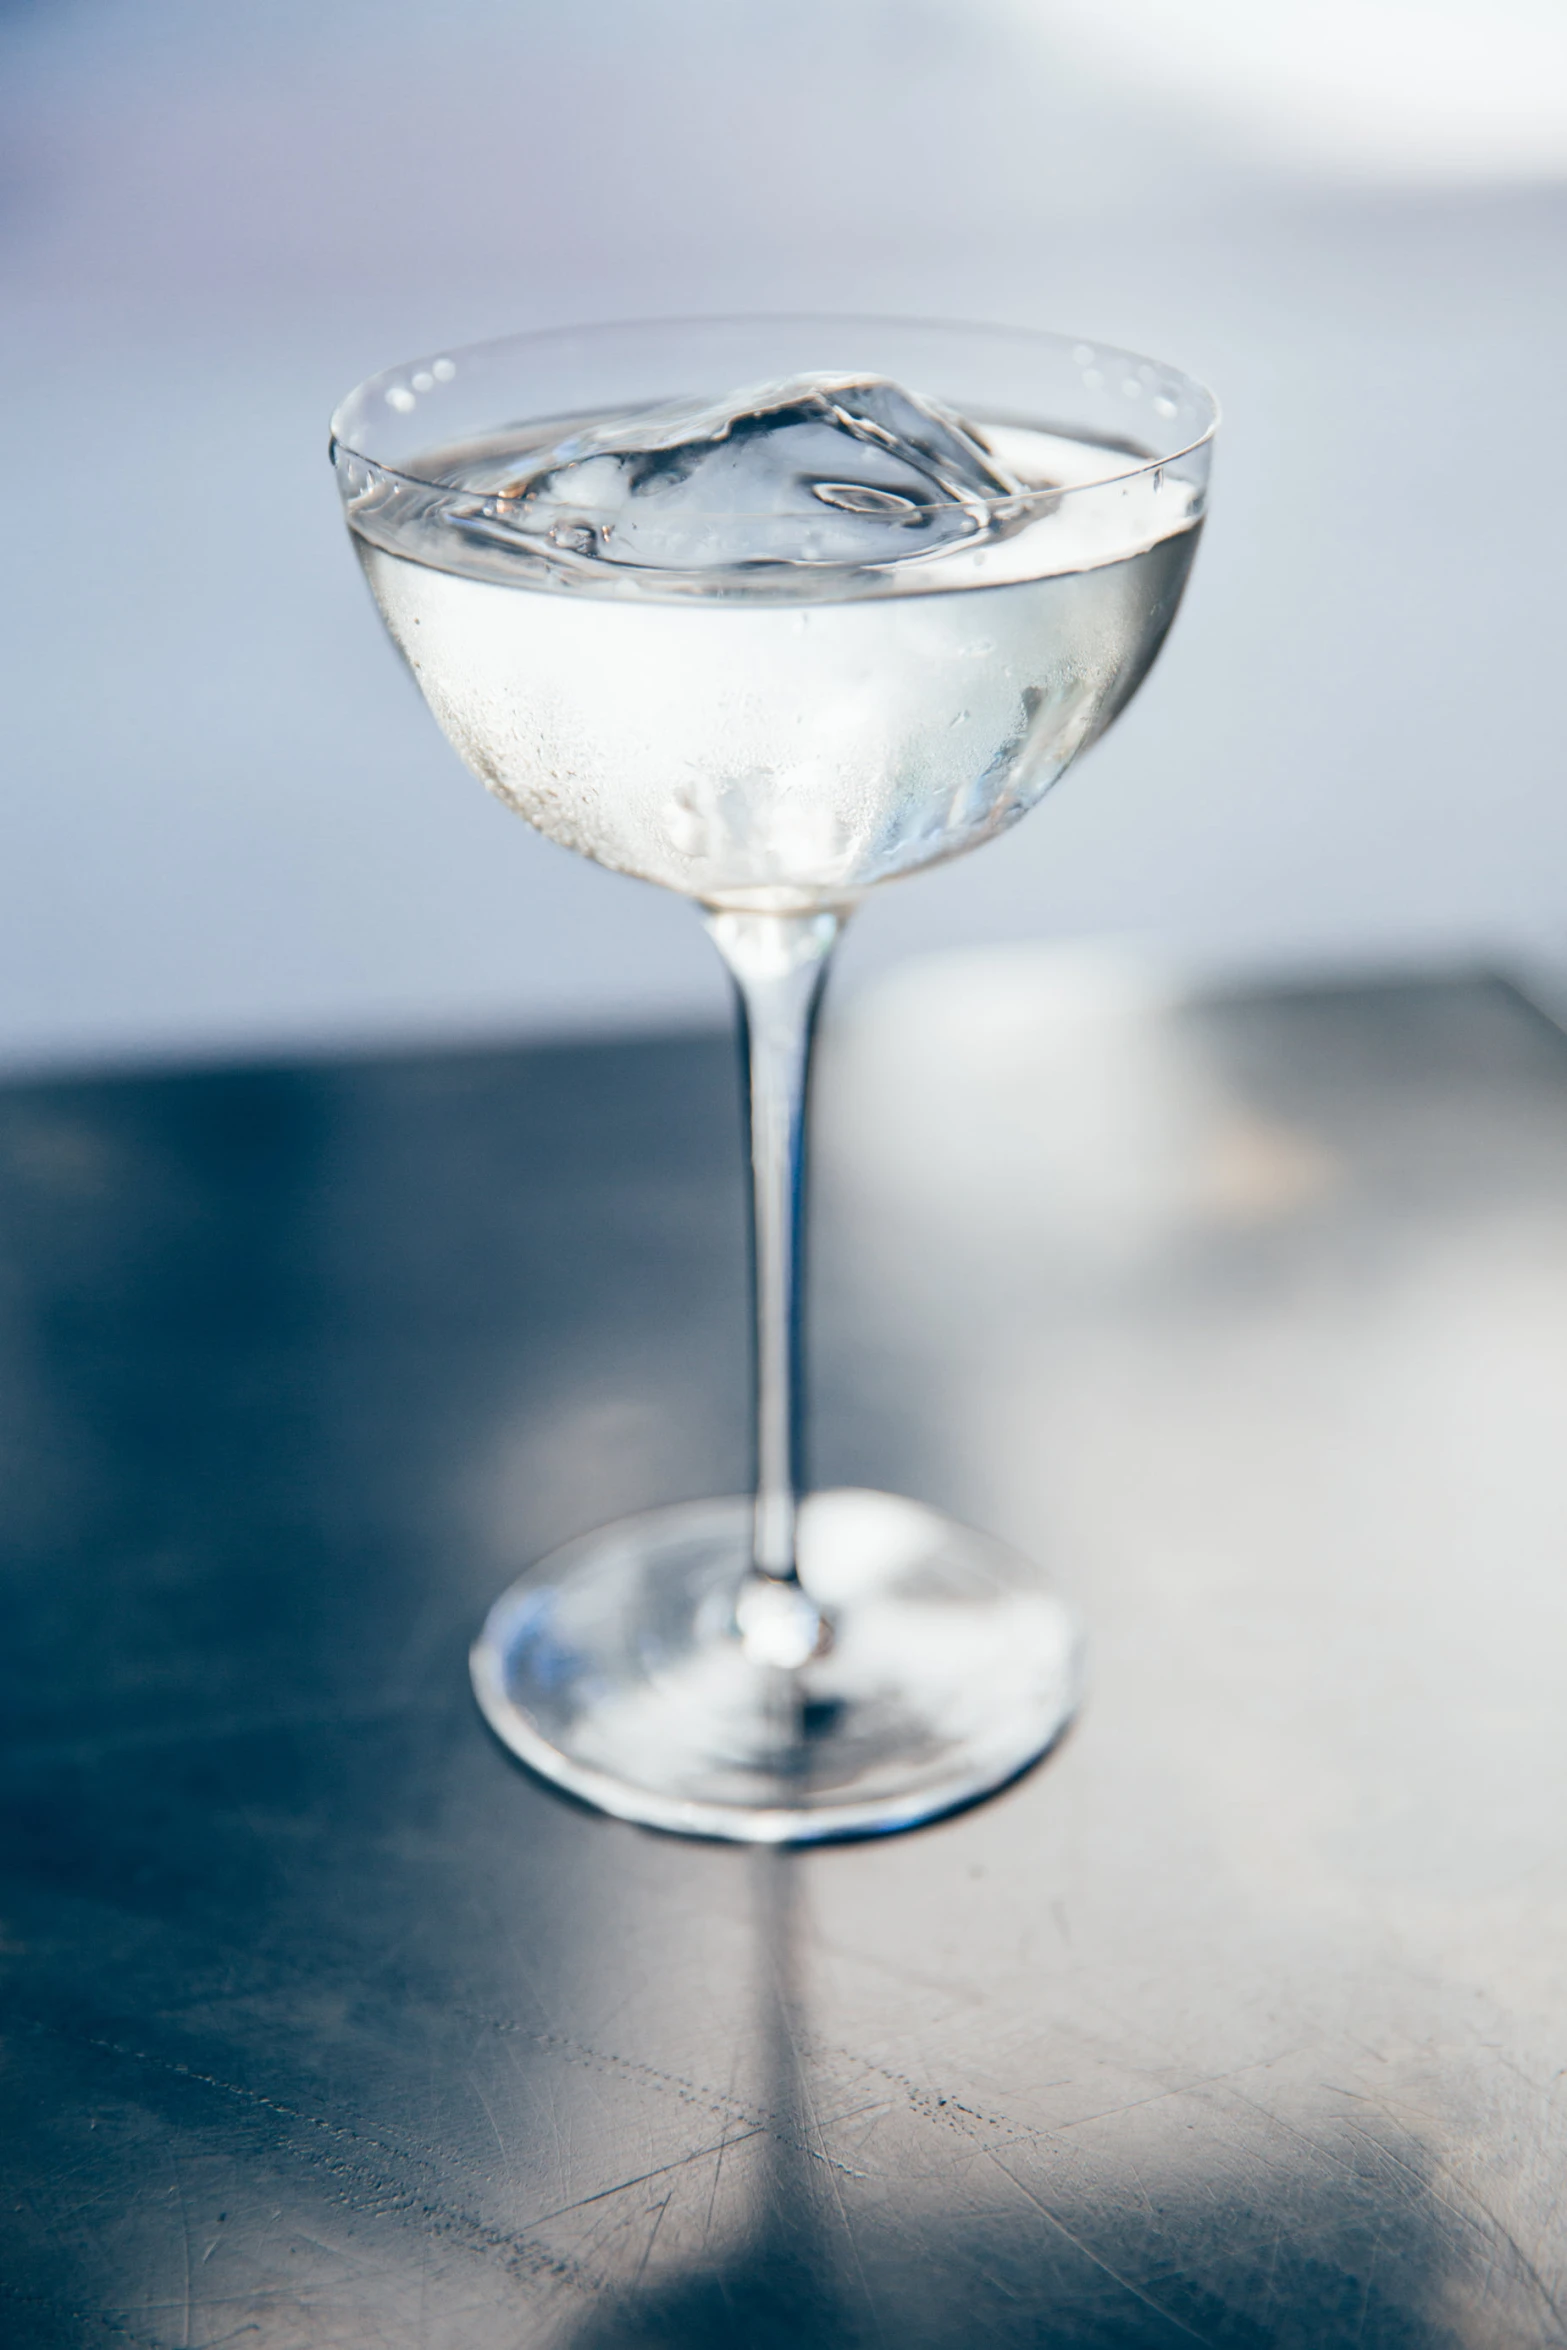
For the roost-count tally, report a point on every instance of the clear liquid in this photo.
(790, 743)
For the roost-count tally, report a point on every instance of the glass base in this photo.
(615, 1668)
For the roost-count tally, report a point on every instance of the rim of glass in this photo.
(386, 378)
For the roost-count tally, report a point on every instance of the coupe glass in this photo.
(772, 725)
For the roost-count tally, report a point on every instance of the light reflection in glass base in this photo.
(615, 1669)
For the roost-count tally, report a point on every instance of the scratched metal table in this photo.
(1242, 2022)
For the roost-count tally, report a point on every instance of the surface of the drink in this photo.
(772, 650)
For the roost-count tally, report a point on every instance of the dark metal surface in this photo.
(1241, 2023)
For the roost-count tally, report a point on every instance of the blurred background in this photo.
(229, 825)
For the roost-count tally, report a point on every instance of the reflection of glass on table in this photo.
(770, 647)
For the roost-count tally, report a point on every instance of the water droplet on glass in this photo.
(1164, 405)
(443, 371)
(1083, 355)
(401, 398)
(1093, 381)
(1129, 385)
(424, 381)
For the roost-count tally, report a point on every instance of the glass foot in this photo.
(615, 1668)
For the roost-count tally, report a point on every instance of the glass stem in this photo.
(778, 963)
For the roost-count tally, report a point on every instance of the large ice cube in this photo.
(818, 470)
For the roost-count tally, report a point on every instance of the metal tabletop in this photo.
(1241, 2022)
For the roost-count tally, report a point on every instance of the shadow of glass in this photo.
(832, 2259)
(779, 2284)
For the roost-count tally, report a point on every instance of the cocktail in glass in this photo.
(770, 612)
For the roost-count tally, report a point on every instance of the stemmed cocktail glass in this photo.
(770, 611)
